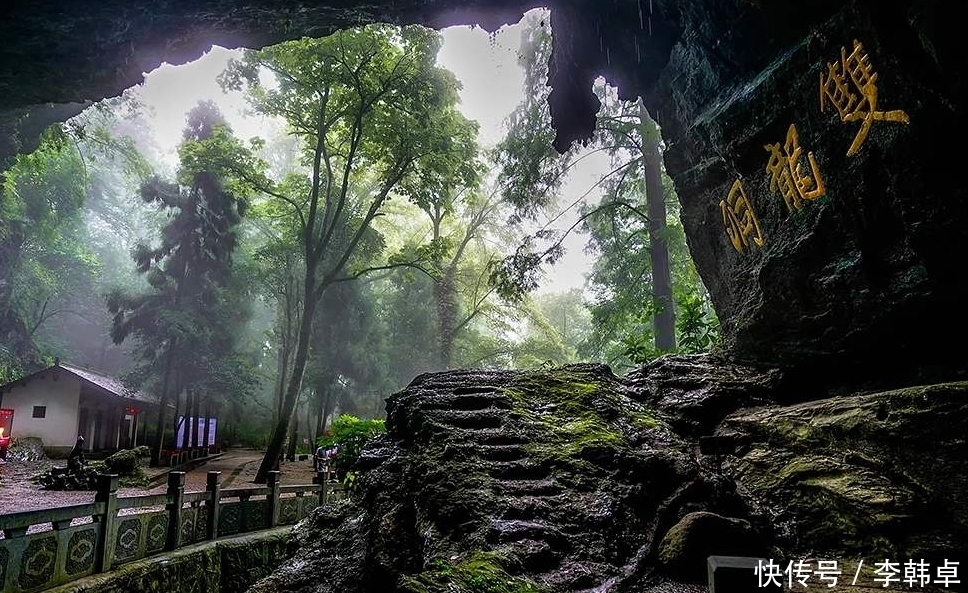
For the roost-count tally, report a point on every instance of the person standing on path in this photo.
(319, 459)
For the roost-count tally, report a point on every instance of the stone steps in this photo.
(469, 419)
(497, 437)
(536, 556)
(515, 530)
(528, 507)
(471, 389)
(470, 402)
(488, 452)
(520, 488)
(503, 452)
(517, 470)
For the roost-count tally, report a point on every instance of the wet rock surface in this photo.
(854, 263)
(695, 393)
(877, 474)
(570, 480)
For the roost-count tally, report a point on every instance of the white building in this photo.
(59, 403)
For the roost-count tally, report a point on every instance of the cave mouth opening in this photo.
(484, 58)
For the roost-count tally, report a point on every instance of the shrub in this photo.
(350, 433)
(127, 464)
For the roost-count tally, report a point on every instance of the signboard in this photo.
(200, 424)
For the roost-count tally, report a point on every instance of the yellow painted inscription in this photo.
(787, 175)
(740, 219)
(850, 86)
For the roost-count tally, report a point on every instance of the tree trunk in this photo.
(445, 297)
(282, 369)
(274, 448)
(196, 404)
(327, 409)
(162, 407)
(320, 417)
(293, 435)
(208, 421)
(186, 440)
(664, 321)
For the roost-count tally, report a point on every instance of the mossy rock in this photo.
(573, 413)
(481, 572)
(872, 473)
(684, 549)
(126, 463)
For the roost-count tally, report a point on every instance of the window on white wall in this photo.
(40, 411)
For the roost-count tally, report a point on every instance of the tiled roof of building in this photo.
(109, 384)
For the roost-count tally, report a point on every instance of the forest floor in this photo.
(19, 492)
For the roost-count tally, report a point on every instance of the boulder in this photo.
(26, 449)
(569, 480)
(697, 536)
(876, 474)
(553, 480)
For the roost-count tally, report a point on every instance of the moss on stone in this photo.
(481, 572)
(456, 493)
(570, 413)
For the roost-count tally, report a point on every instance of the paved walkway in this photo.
(238, 468)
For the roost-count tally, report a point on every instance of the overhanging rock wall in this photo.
(823, 207)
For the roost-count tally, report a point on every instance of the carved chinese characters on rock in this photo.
(850, 86)
(787, 174)
(742, 226)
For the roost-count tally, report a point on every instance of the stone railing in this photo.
(111, 531)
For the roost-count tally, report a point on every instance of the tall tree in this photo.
(40, 206)
(49, 272)
(177, 322)
(370, 106)
(455, 259)
(631, 137)
(634, 191)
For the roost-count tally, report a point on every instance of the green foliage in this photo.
(621, 280)
(698, 330)
(55, 257)
(10, 368)
(42, 253)
(350, 433)
(353, 365)
(624, 299)
(639, 348)
(245, 436)
(375, 118)
(557, 323)
(190, 318)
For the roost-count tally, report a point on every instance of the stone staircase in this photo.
(479, 428)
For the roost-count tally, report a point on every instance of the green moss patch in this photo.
(568, 412)
(481, 572)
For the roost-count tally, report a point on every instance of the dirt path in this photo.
(238, 467)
